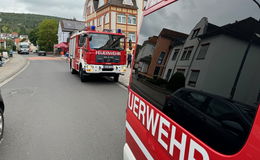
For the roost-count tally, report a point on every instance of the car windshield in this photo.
(107, 42)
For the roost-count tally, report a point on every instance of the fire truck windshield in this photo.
(106, 42)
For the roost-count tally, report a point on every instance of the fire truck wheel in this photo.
(72, 71)
(81, 75)
(116, 78)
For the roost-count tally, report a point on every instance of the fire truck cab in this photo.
(97, 53)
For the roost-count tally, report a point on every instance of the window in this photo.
(193, 78)
(203, 51)
(132, 19)
(100, 21)
(181, 71)
(82, 39)
(195, 33)
(131, 35)
(121, 18)
(128, 2)
(224, 137)
(175, 54)
(106, 18)
(106, 42)
(186, 53)
(168, 74)
(161, 57)
(156, 71)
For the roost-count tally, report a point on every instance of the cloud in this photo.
(183, 15)
(60, 8)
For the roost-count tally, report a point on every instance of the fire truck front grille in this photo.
(107, 59)
(107, 69)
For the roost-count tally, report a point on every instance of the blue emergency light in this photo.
(93, 28)
(118, 31)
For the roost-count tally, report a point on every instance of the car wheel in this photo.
(1, 124)
(116, 78)
(82, 76)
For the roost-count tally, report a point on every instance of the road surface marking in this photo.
(15, 75)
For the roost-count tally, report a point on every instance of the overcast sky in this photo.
(60, 8)
(183, 15)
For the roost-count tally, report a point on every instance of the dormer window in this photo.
(128, 2)
(195, 33)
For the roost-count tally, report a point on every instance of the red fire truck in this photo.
(194, 91)
(97, 53)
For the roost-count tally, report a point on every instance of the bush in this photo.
(176, 82)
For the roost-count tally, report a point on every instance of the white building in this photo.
(66, 27)
(23, 36)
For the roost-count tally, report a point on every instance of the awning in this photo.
(61, 45)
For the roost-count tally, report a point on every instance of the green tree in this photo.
(5, 29)
(47, 34)
(33, 36)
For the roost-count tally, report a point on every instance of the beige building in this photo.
(113, 15)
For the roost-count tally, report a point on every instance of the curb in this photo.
(123, 84)
(14, 72)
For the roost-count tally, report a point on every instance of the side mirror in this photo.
(130, 44)
(90, 38)
(85, 35)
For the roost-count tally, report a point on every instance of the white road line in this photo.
(139, 142)
(15, 75)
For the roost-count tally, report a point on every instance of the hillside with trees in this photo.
(21, 23)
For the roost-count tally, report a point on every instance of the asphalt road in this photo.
(51, 115)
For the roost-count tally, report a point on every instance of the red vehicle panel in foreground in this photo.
(194, 91)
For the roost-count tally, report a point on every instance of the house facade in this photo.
(66, 27)
(114, 14)
(2, 43)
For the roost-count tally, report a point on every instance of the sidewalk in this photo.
(10, 68)
(124, 79)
